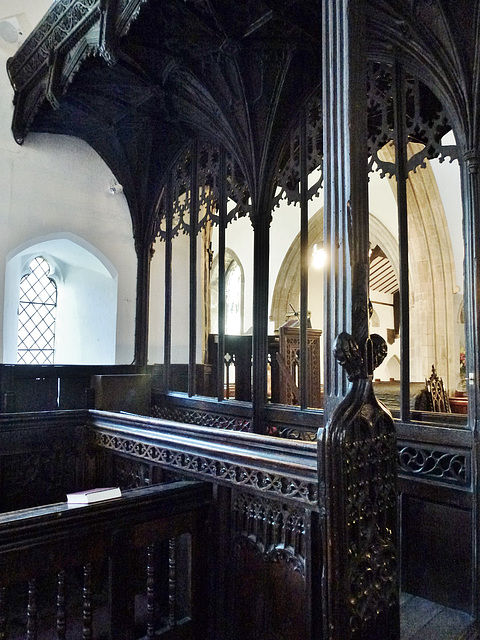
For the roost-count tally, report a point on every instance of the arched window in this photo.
(234, 294)
(233, 298)
(86, 297)
(36, 315)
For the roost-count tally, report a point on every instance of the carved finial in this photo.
(347, 353)
(379, 349)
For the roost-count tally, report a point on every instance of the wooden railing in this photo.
(133, 567)
(281, 420)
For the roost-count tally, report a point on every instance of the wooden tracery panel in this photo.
(288, 359)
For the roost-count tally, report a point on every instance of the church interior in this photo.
(239, 260)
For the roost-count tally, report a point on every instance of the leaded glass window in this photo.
(36, 315)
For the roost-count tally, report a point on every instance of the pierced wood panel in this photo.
(288, 359)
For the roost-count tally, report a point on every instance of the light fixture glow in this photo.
(319, 257)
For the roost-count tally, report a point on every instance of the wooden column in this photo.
(357, 447)
(336, 171)
(144, 256)
(261, 252)
(401, 175)
(470, 172)
(192, 359)
(167, 329)
(303, 399)
(222, 213)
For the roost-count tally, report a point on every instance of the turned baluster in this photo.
(32, 610)
(150, 591)
(171, 581)
(87, 602)
(3, 614)
(61, 613)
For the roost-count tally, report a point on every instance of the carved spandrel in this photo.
(427, 126)
(276, 530)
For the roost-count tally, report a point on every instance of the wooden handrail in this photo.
(56, 539)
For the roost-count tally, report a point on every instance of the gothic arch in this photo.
(287, 284)
(434, 337)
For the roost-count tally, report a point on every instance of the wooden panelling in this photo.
(437, 552)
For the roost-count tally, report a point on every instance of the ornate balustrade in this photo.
(128, 568)
(269, 509)
(265, 522)
(280, 469)
(282, 420)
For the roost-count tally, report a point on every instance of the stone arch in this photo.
(287, 284)
(434, 339)
(433, 334)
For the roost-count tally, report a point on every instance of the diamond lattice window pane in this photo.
(36, 315)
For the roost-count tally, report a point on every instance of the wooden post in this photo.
(336, 172)
(261, 249)
(470, 172)
(144, 255)
(357, 447)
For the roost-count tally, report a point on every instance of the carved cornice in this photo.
(286, 470)
(70, 32)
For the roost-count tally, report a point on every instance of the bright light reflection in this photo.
(319, 257)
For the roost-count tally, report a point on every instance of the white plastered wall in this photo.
(58, 185)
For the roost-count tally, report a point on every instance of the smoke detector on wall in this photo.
(10, 32)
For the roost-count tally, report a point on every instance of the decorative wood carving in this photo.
(204, 418)
(288, 355)
(358, 459)
(204, 466)
(269, 568)
(451, 467)
(426, 122)
(433, 397)
(275, 529)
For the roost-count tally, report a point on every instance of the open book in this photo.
(94, 495)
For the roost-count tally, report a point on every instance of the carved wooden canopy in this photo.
(137, 79)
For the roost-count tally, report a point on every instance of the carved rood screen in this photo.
(207, 186)
(426, 123)
(425, 119)
(202, 162)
